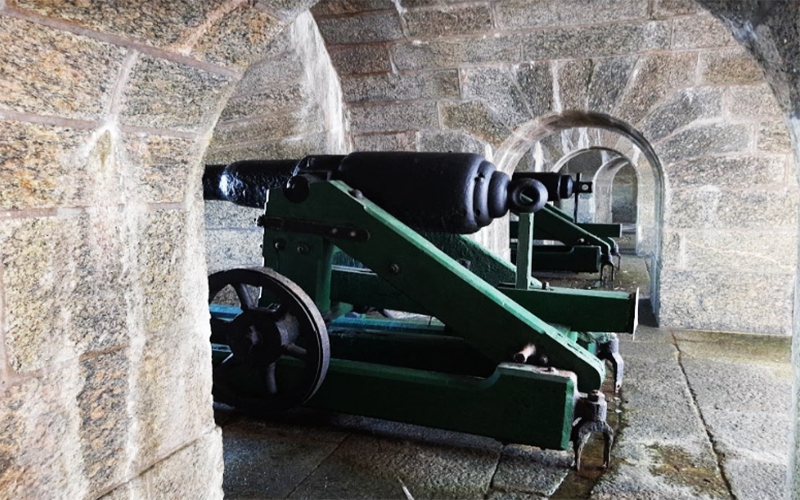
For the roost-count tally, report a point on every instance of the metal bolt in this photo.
(394, 269)
(353, 234)
(595, 396)
(279, 244)
(302, 248)
(355, 193)
(334, 231)
(545, 285)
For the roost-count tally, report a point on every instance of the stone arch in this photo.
(106, 111)
(608, 133)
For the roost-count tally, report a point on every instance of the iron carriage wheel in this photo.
(279, 348)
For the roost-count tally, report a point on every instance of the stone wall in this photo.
(289, 105)
(479, 76)
(106, 110)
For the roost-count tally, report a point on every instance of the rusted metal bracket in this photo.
(590, 416)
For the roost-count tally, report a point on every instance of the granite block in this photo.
(730, 171)
(163, 166)
(445, 21)
(364, 466)
(608, 81)
(271, 100)
(333, 7)
(228, 248)
(39, 166)
(282, 149)
(701, 31)
(654, 78)
(535, 82)
(773, 137)
(57, 271)
(285, 10)
(165, 25)
(350, 59)
(756, 480)
(394, 87)
(105, 423)
(40, 439)
(728, 66)
(574, 79)
(680, 109)
(476, 118)
(597, 41)
(168, 95)
(702, 140)
(162, 247)
(269, 127)
(752, 100)
(495, 86)
(719, 250)
(393, 117)
(516, 461)
(517, 14)
(71, 76)
(711, 207)
(404, 141)
(177, 475)
(226, 215)
(451, 140)
(436, 54)
(240, 37)
(669, 8)
(382, 26)
(748, 302)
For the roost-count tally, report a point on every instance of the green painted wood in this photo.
(524, 260)
(484, 317)
(516, 404)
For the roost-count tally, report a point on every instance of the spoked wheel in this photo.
(279, 349)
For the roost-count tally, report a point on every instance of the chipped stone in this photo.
(177, 475)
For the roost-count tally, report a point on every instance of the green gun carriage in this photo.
(481, 347)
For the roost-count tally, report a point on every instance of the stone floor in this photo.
(700, 415)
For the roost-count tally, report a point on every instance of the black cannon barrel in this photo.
(559, 186)
(447, 192)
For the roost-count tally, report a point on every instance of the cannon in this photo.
(583, 247)
(483, 349)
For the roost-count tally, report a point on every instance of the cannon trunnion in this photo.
(495, 354)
